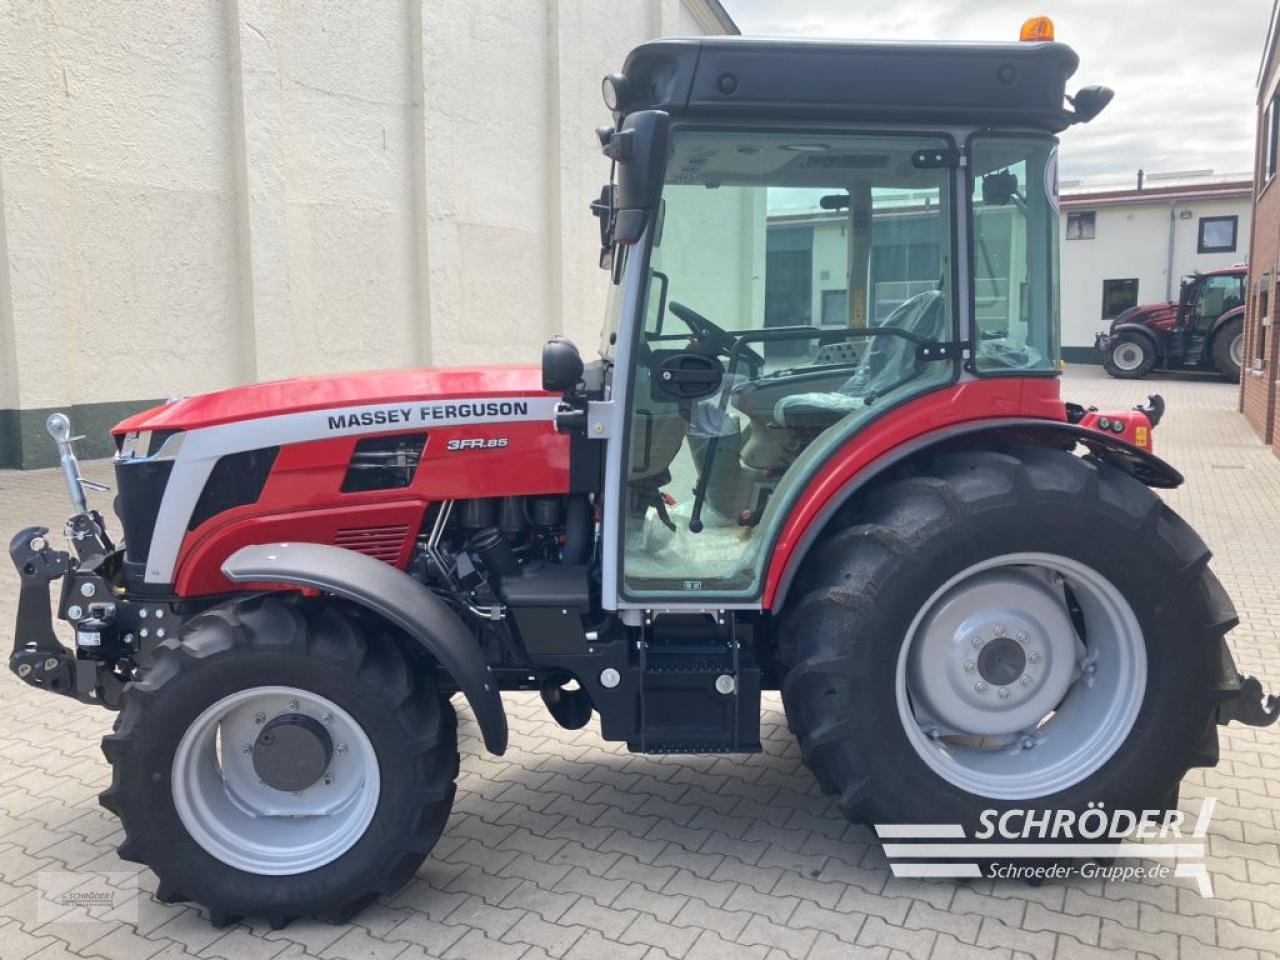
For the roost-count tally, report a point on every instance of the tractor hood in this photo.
(339, 392)
(1155, 315)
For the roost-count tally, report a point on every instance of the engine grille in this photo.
(382, 543)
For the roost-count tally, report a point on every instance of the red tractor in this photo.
(801, 461)
(1204, 330)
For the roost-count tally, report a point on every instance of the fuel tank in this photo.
(352, 460)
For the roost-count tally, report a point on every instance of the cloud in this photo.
(1183, 70)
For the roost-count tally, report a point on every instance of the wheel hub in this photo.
(1001, 661)
(994, 656)
(1127, 356)
(292, 752)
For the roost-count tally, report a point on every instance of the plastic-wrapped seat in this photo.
(890, 361)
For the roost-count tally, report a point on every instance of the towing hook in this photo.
(1247, 705)
(1154, 410)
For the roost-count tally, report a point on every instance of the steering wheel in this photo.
(714, 337)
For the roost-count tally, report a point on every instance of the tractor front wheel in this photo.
(277, 762)
(1131, 356)
(1000, 630)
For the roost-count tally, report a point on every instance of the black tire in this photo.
(1220, 350)
(1130, 341)
(859, 592)
(318, 647)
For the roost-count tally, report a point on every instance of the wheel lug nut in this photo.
(1027, 743)
(1026, 680)
(1023, 636)
(259, 717)
(341, 748)
(999, 630)
(975, 642)
(970, 666)
(980, 686)
(1033, 657)
(1004, 693)
(245, 748)
(327, 718)
(293, 704)
(328, 780)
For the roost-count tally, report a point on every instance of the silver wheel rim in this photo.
(1237, 350)
(1001, 695)
(254, 827)
(1127, 356)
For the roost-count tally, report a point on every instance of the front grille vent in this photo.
(382, 543)
(236, 480)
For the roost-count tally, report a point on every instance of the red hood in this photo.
(351, 389)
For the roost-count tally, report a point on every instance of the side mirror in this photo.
(639, 148)
(1089, 102)
(999, 188)
(561, 365)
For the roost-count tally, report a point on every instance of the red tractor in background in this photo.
(1203, 330)
(965, 589)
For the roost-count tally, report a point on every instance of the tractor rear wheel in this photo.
(1131, 356)
(1002, 629)
(1228, 349)
(274, 763)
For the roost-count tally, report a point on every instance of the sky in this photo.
(1183, 70)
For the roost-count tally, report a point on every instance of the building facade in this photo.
(1260, 380)
(1123, 247)
(200, 194)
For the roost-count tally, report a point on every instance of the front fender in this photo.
(395, 596)
(1137, 329)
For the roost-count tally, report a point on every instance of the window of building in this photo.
(1260, 324)
(1218, 234)
(1118, 296)
(1081, 226)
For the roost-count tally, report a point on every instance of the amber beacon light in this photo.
(1036, 28)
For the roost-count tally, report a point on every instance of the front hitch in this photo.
(38, 658)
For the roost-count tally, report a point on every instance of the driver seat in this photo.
(887, 364)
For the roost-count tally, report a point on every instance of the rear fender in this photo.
(395, 596)
(1138, 463)
(1235, 313)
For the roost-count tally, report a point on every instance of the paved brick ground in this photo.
(569, 847)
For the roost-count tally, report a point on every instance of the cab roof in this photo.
(980, 84)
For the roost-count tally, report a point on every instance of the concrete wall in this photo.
(1132, 240)
(199, 194)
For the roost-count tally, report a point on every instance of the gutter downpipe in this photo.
(1168, 266)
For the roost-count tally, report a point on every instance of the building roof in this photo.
(1226, 190)
(721, 15)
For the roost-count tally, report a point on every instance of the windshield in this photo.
(802, 276)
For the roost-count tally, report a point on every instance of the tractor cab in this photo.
(797, 255)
